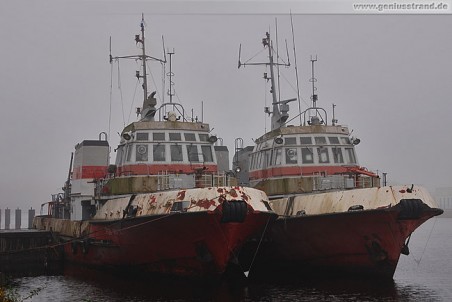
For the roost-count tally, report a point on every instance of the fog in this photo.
(389, 75)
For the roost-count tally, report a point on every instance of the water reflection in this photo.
(87, 285)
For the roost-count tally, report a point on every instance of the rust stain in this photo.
(181, 195)
(244, 196)
(221, 199)
(220, 190)
(205, 203)
(233, 193)
(152, 199)
(402, 191)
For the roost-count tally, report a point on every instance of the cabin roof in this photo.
(166, 125)
(292, 130)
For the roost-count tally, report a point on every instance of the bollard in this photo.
(7, 218)
(18, 218)
(31, 216)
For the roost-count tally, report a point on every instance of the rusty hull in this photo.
(350, 232)
(196, 241)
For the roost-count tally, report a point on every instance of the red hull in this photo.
(183, 244)
(363, 242)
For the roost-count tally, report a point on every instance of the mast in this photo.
(280, 109)
(276, 115)
(148, 110)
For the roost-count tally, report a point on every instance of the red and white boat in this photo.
(334, 215)
(166, 207)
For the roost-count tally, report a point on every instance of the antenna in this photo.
(296, 67)
(334, 120)
(170, 74)
(313, 80)
(240, 50)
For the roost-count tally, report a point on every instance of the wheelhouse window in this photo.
(119, 155)
(175, 137)
(202, 137)
(290, 141)
(129, 152)
(345, 140)
(323, 155)
(159, 152)
(190, 137)
(306, 140)
(334, 140)
(192, 152)
(350, 156)
(307, 156)
(141, 153)
(207, 153)
(176, 152)
(337, 155)
(278, 152)
(291, 156)
(320, 140)
(158, 136)
(142, 136)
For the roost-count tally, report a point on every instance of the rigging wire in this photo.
(111, 97)
(296, 67)
(133, 100)
(120, 93)
(254, 56)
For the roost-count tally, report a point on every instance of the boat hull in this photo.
(196, 244)
(366, 242)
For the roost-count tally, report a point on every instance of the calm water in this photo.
(424, 275)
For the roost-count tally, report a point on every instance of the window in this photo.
(350, 156)
(320, 140)
(129, 152)
(345, 140)
(305, 140)
(176, 153)
(158, 136)
(306, 156)
(334, 140)
(159, 152)
(323, 155)
(337, 155)
(291, 156)
(119, 155)
(278, 156)
(207, 153)
(142, 136)
(190, 137)
(174, 137)
(192, 152)
(290, 141)
(202, 137)
(141, 153)
(259, 160)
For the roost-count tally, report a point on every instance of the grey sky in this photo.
(389, 75)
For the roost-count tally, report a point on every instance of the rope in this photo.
(425, 247)
(260, 241)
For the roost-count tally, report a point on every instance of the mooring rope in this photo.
(428, 239)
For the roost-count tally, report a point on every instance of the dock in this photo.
(28, 252)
